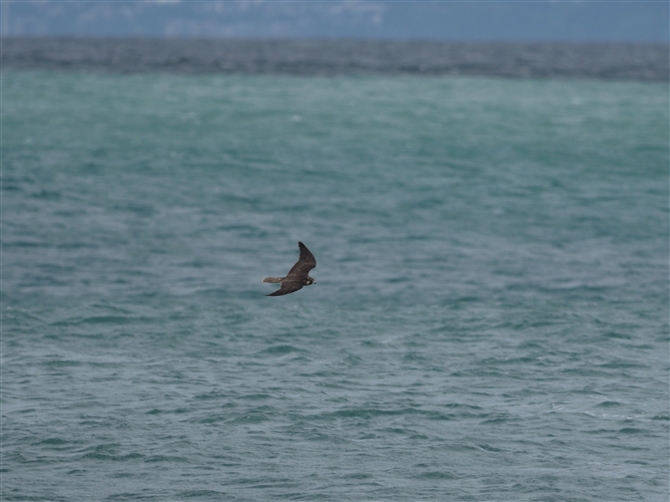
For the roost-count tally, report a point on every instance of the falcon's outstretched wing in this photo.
(287, 286)
(306, 262)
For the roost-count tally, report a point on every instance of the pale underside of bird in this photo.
(298, 276)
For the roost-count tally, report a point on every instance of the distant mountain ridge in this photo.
(644, 62)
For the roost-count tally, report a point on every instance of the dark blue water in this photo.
(489, 322)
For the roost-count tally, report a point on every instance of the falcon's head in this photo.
(308, 281)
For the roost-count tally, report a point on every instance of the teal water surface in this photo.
(489, 322)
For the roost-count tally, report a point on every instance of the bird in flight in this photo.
(298, 276)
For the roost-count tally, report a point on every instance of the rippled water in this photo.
(490, 319)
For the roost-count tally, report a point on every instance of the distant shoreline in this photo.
(604, 61)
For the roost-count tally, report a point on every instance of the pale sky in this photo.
(642, 21)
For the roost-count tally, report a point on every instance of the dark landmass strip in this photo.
(612, 61)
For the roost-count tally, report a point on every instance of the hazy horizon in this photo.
(645, 21)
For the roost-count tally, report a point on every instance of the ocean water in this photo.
(489, 322)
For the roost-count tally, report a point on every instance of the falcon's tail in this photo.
(274, 279)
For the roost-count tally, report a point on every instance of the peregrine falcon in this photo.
(297, 277)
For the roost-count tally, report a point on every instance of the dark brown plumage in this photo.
(298, 276)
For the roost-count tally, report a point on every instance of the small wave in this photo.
(609, 404)
(203, 494)
(165, 458)
(435, 475)
(280, 350)
(101, 454)
(632, 430)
